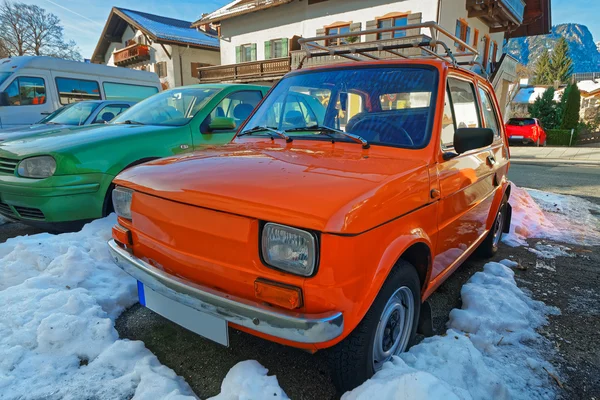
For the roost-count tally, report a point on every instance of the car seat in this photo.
(241, 112)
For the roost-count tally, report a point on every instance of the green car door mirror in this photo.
(221, 124)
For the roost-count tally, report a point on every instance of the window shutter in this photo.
(253, 52)
(268, 53)
(238, 54)
(285, 47)
(371, 25)
(415, 18)
(321, 32)
(355, 27)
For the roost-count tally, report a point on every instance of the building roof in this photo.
(159, 29)
(589, 87)
(238, 7)
(528, 94)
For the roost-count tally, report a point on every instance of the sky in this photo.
(83, 20)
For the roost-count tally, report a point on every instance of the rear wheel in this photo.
(388, 329)
(489, 246)
(537, 142)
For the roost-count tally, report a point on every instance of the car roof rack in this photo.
(349, 46)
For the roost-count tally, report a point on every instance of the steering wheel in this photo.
(389, 131)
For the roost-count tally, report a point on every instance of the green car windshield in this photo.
(171, 108)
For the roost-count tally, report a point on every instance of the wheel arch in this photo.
(107, 207)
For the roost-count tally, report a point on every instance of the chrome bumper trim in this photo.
(296, 327)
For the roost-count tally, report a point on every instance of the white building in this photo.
(259, 38)
(170, 47)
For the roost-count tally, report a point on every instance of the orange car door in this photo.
(465, 181)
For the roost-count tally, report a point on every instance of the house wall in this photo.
(158, 54)
(303, 19)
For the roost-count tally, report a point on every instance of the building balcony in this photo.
(253, 71)
(499, 15)
(132, 54)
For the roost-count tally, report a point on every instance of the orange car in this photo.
(351, 193)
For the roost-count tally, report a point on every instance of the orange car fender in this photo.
(498, 196)
(390, 257)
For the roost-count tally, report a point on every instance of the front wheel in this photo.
(489, 246)
(388, 329)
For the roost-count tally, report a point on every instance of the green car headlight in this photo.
(37, 167)
(121, 197)
(289, 249)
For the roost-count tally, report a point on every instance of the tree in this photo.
(30, 30)
(562, 63)
(546, 110)
(543, 70)
(570, 113)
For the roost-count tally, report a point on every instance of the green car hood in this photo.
(65, 140)
(33, 131)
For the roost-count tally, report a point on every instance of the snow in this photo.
(528, 95)
(60, 295)
(490, 350)
(544, 215)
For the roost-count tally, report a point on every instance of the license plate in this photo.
(203, 324)
(517, 137)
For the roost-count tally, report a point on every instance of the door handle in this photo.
(491, 160)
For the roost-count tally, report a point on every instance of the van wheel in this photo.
(489, 246)
(388, 329)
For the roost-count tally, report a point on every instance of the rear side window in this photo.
(73, 90)
(26, 91)
(127, 92)
(489, 113)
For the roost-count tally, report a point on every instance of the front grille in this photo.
(31, 213)
(6, 210)
(8, 165)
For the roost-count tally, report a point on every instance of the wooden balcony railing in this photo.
(499, 15)
(245, 72)
(132, 54)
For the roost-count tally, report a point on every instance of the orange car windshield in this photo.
(392, 106)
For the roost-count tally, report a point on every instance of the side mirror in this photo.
(4, 101)
(466, 139)
(221, 124)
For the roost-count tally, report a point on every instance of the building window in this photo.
(391, 23)
(337, 30)
(161, 69)
(26, 91)
(73, 90)
(463, 32)
(276, 48)
(194, 68)
(245, 53)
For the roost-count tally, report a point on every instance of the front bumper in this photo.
(295, 327)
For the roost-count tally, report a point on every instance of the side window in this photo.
(448, 127)
(464, 103)
(237, 105)
(127, 92)
(73, 90)
(26, 91)
(109, 112)
(489, 114)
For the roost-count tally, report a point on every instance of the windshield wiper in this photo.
(327, 129)
(129, 122)
(266, 128)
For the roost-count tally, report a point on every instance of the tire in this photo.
(489, 246)
(352, 360)
(544, 144)
(537, 142)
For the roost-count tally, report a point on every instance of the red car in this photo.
(526, 131)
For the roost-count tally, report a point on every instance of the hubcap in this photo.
(394, 328)
(498, 226)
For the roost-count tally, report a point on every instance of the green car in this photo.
(62, 180)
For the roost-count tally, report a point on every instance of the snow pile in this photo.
(544, 215)
(490, 351)
(249, 380)
(60, 295)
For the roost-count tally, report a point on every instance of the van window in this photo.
(448, 128)
(127, 92)
(26, 91)
(73, 90)
(464, 103)
(489, 114)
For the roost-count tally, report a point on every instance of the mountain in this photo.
(584, 51)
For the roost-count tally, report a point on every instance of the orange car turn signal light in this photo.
(279, 294)
(122, 235)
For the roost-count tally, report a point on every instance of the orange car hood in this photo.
(336, 188)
